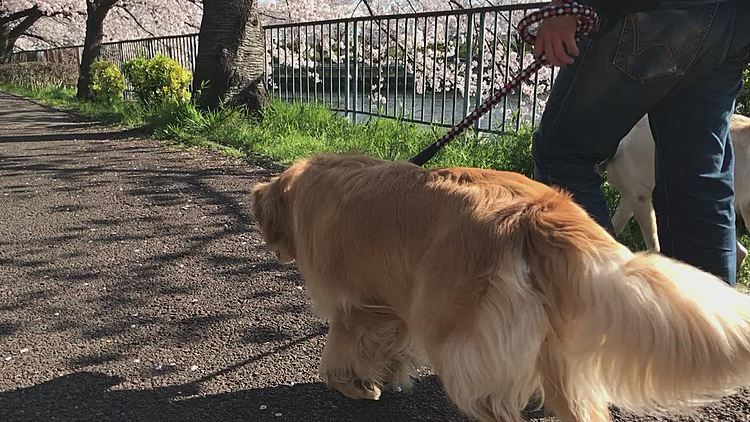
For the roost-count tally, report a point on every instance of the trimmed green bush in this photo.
(158, 79)
(743, 100)
(107, 82)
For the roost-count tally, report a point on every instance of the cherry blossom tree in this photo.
(18, 16)
(127, 20)
(64, 24)
(230, 62)
(441, 67)
(140, 16)
(96, 12)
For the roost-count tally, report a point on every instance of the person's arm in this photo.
(556, 39)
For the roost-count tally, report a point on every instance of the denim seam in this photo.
(701, 37)
(666, 212)
(725, 53)
(584, 55)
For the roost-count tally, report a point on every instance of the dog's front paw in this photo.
(357, 389)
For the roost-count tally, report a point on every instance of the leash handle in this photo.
(587, 21)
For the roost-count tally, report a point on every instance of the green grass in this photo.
(65, 99)
(290, 131)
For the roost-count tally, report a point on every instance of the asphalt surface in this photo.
(134, 287)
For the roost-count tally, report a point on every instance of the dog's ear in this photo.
(267, 207)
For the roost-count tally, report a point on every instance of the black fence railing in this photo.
(431, 68)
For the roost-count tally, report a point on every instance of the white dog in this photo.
(631, 172)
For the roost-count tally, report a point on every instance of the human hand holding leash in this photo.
(556, 39)
(584, 21)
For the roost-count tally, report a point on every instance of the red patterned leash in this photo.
(587, 21)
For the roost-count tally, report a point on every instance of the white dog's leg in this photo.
(741, 255)
(622, 216)
(744, 210)
(643, 209)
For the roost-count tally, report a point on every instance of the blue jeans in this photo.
(684, 68)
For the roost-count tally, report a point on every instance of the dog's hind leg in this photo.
(485, 381)
(365, 350)
(622, 216)
(486, 355)
(643, 209)
(557, 398)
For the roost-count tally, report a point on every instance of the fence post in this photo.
(480, 72)
(468, 58)
(122, 55)
(356, 72)
(290, 47)
(348, 68)
(266, 60)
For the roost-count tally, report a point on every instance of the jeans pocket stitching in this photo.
(629, 42)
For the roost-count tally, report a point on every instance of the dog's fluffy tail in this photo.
(640, 331)
(666, 335)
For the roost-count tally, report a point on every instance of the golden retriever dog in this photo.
(504, 286)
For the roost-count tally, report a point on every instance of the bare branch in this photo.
(456, 3)
(196, 3)
(33, 16)
(135, 19)
(40, 38)
(369, 9)
(18, 15)
(289, 10)
(268, 15)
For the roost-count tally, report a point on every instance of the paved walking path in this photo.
(134, 287)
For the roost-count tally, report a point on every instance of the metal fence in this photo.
(430, 68)
(182, 48)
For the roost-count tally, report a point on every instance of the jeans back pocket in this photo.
(663, 43)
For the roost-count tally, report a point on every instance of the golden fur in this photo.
(503, 285)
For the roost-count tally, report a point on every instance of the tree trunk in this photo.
(9, 35)
(231, 55)
(96, 11)
(6, 44)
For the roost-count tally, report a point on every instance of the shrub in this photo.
(39, 74)
(743, 101)
(158, 79)
(107, 82)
